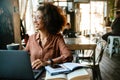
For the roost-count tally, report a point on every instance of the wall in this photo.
(7, 23)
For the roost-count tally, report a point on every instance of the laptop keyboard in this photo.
(35, 72)
(38, 73)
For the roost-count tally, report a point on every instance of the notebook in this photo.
(15, 65)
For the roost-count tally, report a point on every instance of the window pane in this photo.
(70, 6)
(82, 1)
(60, 0)
(62, 3)
(56, 3)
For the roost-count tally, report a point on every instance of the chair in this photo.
(84, 55)
(98, 57)
(113, 44)
(88, 54)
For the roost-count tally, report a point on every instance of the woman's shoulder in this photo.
(59, 35)
(33, 36)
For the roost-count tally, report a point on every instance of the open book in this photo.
(79, 74)
(63, 68)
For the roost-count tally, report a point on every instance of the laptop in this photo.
(16, 65)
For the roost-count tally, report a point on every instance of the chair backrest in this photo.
(113, 44)
(114, 40)
(99, 50)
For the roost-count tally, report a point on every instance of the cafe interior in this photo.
(89, 19)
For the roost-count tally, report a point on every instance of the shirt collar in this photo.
(37, 36)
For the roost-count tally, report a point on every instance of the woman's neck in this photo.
(43, 35)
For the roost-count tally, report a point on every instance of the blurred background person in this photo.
(115, 26)
(68, 32)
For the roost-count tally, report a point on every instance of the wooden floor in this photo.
(110, 67)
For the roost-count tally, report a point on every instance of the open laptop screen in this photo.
(15, 64)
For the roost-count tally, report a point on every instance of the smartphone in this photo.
(56, 66)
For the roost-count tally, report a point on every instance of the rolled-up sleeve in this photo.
(65, 52)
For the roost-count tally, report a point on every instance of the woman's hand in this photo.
(38, 63)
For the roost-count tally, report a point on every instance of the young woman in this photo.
(47, 46)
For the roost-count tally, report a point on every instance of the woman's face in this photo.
(38, 20)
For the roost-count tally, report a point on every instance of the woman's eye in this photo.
(37, 18)
(40, 17)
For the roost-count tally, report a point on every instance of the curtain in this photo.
(22, 8)
(28, 18)
(26, 11)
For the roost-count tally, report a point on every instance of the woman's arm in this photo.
(65, 53)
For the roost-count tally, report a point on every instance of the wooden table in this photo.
(82, 43)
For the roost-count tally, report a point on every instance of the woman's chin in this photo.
(36, 28)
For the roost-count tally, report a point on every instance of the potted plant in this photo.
(111, 8)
